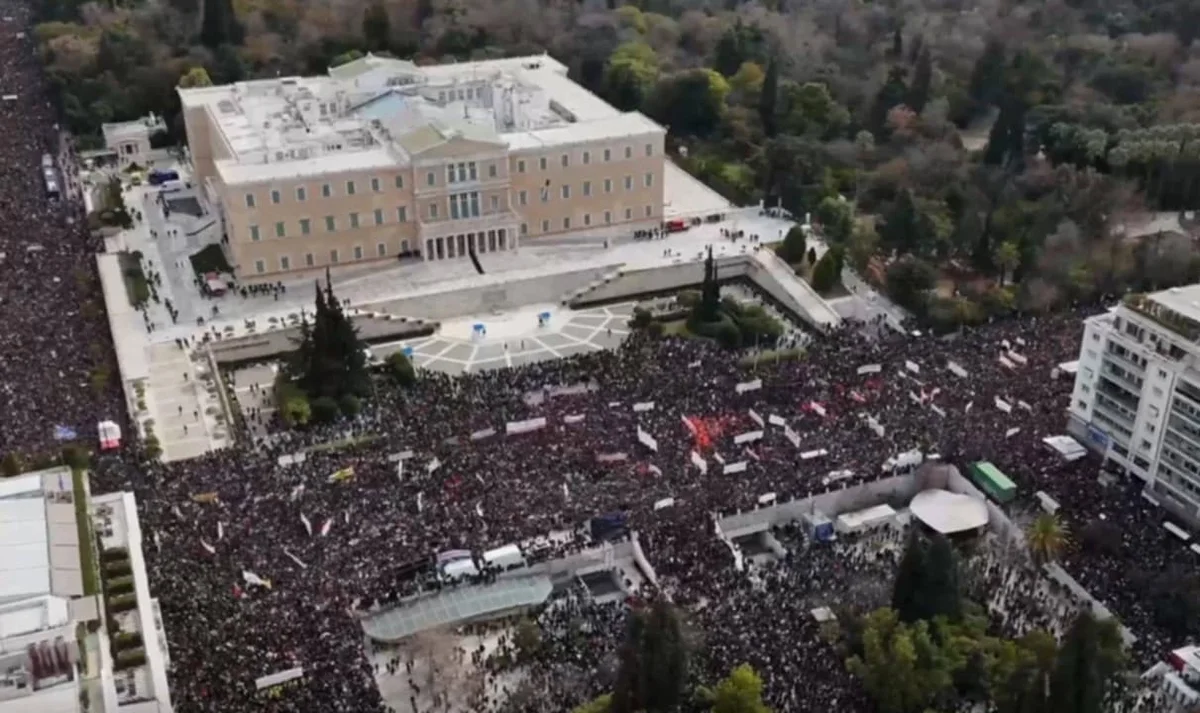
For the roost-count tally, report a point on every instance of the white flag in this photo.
(211, 550)
(433, 465)
(325, 528)
(220, 532)
(479, 509)
(307, 524)
(420, 495)
(297, 492)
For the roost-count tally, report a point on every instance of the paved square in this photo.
(517, 341)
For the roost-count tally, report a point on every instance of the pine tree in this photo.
(1079, 679)
(987, 78)
(710, 292)
(901, 232)
(918, 93)
(377, 27)
(942, 588)
(653, 662)
(769, 98)
(906, 589)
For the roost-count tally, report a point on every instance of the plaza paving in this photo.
(515, 338)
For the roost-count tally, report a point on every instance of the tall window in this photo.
(354, 220)
(375, 185)
(330, 224)
(305, 226)
(280, 229)
(301, 194)
(250, 200)
(254, 233)
(275, 197)
(349, 188)
(378, 216)
(326, 190)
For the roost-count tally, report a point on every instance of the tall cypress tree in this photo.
(906, 590)
(1080, 676)
(918, 93)
(769, 98)
(219, 24)
(943, 590)
(653, 662)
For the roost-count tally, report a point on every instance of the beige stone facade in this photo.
(376, 164)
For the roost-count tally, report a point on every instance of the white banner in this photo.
(870, 369)
(700, 463)
(574, 418)
(1005, 361)
(1011, 432)
(791, 435)
(325, 528)
(748, 386)
(938, 410)
(647, 440)
(611, 457)
(957, 370)
(208, 548)
(402, 455)
(809, 455)
(433, 465)
(912, 396)
(912, 366)
(1027, 407)
(719, 458)
(816, 408)
(755, 417)
(1017, 358)
(254, 580)
(874, 425)
(515, 427)
(482, 434)
(1003, 405)
(643, 406)
(220, 532)
(748, 437)
(307, 524)
(731, 468)
(664, 503)
(776, 420)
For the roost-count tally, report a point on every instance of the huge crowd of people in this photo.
(343, 531)
(262, 563)
(55, 348)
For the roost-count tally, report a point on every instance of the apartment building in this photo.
(1137, 394)
(384, 160)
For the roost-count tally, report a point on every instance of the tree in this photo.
(918, 93)
(987, 80)
(195, 77)
(75, 457)
(901, 233)
(794, 245)
(768, 99)
(927, 583)
(528, 639)
(909, 280)
(901, 666)
(329, 360)
(377, 27)
(400, 369)
(1092, 652)
(1047, 538)
(629, 75)
(690, 102)
(653, 661)
(836, 218)
(893, 93)
(708, 310)
(1007, 258)
(826, 273)
(219, 24)
(740, 692)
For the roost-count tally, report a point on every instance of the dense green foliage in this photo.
(927, 583)
(998, 155)
(653, 661)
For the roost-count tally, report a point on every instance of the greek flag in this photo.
(65, 433)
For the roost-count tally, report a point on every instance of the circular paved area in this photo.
(515, 339)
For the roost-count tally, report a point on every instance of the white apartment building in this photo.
(1137, 393)
(382, 159)
(54, 640)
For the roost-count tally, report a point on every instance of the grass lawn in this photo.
(677, 328)
(136, 287)
(83, 523)
(210, 259)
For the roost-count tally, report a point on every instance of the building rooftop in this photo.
(1177, 309)
(373, 109)
(24, 549)
(947, 512)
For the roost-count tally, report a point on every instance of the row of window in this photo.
(565, 159)
(462, 172)
(335, 257)
(565, 189)
(276, 196)
(331, 223)
(547, 226)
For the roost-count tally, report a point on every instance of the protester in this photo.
(56, 357)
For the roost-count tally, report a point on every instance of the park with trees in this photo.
(973, 165)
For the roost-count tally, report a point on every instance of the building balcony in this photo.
(487, 220)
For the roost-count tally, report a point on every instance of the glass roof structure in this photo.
(452, 606)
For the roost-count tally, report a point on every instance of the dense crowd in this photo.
(434, 477)
(55, 347)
